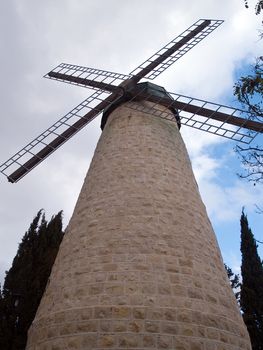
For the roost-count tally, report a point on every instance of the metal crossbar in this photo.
(191, 41)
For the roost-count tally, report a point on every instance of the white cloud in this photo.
(224, 202)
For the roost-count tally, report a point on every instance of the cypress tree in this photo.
(251, 296)
(26, 280)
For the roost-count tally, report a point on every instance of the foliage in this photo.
(249, 92)
(258, 7)
(251, 295)
(234, 280)
(26, 280)
(252, 159)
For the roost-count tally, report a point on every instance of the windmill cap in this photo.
(135, 93)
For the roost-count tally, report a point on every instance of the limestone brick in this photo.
(139, 266)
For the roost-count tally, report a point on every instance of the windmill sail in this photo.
(78, 75)
(55, 136)
(218, 119)
(175, 49)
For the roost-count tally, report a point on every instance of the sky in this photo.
(115, 35)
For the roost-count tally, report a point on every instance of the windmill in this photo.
(139, 266)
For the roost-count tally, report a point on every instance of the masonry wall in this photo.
(139, 266)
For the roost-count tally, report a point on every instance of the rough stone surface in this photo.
(139, 266)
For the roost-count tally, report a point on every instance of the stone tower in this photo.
(139, 266)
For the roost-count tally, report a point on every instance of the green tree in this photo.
(251, 295)
(26, 280)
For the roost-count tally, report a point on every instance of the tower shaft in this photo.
(139, 266)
